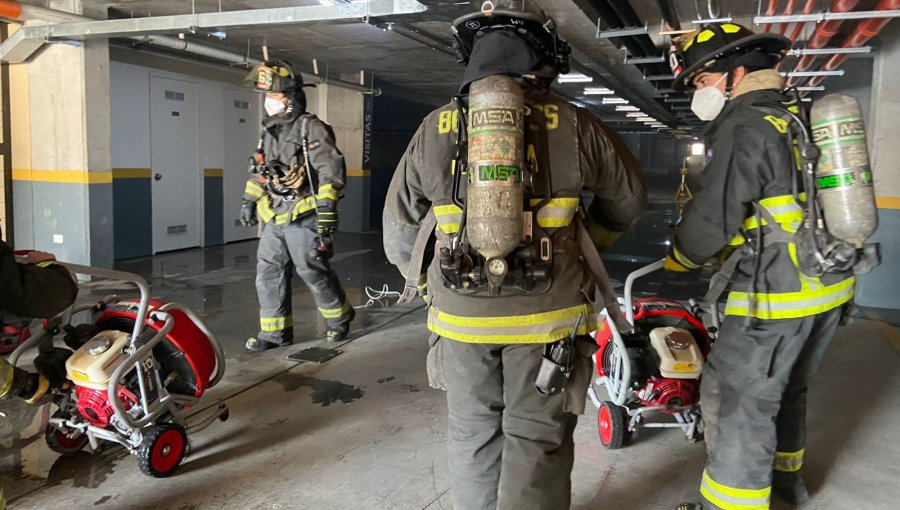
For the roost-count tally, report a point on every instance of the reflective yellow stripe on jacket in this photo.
(253, 189)
(448, 218)
(538, 328)
(266, 214)
(328, 192)
(786, 211)
(790, 305)
(732, 498)
(557, 212)
(813, 297)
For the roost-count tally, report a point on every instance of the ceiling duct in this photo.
(15, 53)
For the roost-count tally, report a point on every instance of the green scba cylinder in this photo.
(844, 181)
(496, 154)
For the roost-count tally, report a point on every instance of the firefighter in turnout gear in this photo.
(297, 176)
(39, 288)
(778, 321)
(498, 320)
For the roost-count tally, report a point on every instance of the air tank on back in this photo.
(844, 181)
(495, 164)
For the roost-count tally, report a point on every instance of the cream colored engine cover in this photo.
(93, 364)
(679, 355)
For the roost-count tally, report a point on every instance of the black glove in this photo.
(248, 214)
(327, 220)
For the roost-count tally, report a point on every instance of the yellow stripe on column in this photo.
(132, 173)
(67, 176)
(213, 172)
(887, 202)
(357, 172)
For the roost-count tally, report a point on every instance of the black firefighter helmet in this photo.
(721, 47)
(275, 76)
(522, 17)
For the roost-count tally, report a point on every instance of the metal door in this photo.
(175, 161)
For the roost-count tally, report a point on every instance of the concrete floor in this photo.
(364, 430)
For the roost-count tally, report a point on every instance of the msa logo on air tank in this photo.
(497, 173)
(494, 117)
(827, 133)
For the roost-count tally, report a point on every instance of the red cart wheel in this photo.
(162, 449)
(612, 422)
(64, 441)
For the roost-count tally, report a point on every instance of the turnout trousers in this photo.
(510, 447)
(282, 250)
(753, 397)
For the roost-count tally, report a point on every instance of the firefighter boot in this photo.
(336, 334)
(789, 487)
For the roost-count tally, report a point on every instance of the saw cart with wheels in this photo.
(132, 375)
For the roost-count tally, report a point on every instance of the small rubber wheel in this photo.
(162, 449)
(612, 423)
(64, 441)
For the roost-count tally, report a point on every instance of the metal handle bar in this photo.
(629, 283)
(128, 364)
(110, 274)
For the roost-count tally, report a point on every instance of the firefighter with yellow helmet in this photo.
(297, 176)
(778, 321)
(495, 177)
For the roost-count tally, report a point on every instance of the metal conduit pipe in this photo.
(824, 32)
(16, 11)
(865, 30)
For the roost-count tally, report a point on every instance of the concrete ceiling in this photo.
(410, 55)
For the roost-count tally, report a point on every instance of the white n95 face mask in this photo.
(274, 106)
(708, 102)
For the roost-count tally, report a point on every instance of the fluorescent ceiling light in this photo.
(627, 108)
(636, 114)
(614, 100)
(574, 78)
(819, 87)
(597, 91)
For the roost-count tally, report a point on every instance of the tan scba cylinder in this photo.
(496, 161)
(843, 178)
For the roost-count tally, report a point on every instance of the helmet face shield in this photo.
(271, 77)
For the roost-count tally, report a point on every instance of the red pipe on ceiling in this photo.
(824, 32)
(798, 27)
(788, 10)
(865, 30)
(770, 11)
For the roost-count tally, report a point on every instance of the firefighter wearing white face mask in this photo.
(778, 321)
(298, 175)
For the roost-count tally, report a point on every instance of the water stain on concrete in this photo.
(83, 469)
(386, 379)
(324, 392)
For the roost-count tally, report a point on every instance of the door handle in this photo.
(157, 177)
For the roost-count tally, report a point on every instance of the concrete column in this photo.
(879, 288)
(62, 189)
(344, 110)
